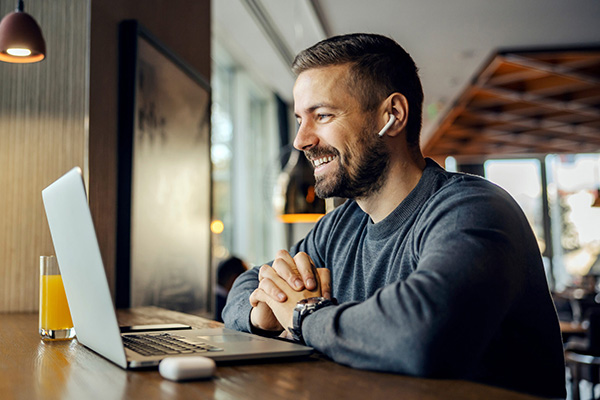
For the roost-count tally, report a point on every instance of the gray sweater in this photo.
(449, 285)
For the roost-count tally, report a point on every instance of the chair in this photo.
(582, 355)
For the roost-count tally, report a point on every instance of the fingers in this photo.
(271, 283)
(282, 312)
(306, 267)
(259, 296)
(286, 268)
(262, 316)
(325, 278)
(299, 272)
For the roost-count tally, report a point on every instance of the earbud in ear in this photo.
(387, 125)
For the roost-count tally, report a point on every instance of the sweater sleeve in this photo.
(437, 322)
(236, 313)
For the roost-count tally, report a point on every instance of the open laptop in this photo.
(91, 305)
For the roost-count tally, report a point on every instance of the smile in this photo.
(322, 160)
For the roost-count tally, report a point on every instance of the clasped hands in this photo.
(282, 285)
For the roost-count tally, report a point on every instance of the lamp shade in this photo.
(21, 39)
(295, 200)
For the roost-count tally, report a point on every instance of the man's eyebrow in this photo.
(319, 105)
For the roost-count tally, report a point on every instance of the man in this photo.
(436, 274)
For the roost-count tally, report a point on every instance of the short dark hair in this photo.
(379, 67)
(228, 269)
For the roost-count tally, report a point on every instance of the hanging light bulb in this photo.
(21, 39)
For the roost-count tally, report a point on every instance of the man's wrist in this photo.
(303, 309)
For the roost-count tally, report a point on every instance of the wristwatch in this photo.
(304, 308)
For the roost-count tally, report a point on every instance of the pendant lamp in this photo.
(21, 39)
(295, 200)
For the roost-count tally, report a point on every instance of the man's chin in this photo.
(327, 192)
(332, 185)
(323, 191)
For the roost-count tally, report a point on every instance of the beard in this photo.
(362, 169)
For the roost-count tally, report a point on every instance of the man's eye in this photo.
(323, 117)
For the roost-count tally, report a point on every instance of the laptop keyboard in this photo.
(164, 344)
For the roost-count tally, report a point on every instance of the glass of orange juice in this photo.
(55, 317)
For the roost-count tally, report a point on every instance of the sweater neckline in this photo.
(408, 206)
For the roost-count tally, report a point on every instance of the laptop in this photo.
(92, 309)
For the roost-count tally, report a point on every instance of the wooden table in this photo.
(33, 369)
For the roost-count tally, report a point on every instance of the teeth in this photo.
(322, 160)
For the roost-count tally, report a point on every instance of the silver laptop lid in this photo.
(81, 266)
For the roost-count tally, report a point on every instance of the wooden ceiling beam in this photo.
(512, 77)
(552, 86)
(530, 123)
(503, 149)
(460, 104)
(583, 59)
(553, 69)
(541, 101)
(527, 138)
(526, 103)
(586, 96)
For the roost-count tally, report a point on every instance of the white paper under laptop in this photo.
(89, 298)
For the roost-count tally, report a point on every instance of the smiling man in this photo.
(436, 274)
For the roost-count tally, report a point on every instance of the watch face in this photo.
(312, 300)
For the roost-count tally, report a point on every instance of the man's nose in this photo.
(305, 137)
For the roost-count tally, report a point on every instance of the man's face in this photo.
(337, 136)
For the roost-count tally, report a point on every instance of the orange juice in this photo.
(54, 309)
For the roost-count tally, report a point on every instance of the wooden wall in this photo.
(42, 135)
(46, 109)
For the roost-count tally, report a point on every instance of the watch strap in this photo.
(304, 308)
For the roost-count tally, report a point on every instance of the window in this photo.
(570, 241)
(221, 156)
(526, 190)
(572, 190)
(245, 147)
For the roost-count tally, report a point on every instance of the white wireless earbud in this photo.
(387, 126)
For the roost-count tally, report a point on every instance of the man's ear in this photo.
(396, 105)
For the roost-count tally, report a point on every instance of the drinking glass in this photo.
(55, 317)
